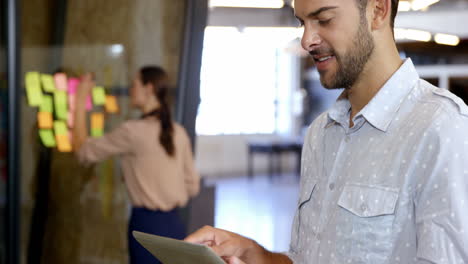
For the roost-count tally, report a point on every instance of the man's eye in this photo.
(324, 22)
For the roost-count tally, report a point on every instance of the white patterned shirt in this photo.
(391, 189)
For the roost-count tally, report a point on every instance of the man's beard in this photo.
(351, 65)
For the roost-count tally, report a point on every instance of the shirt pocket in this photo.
(368, 200)
(303, 215)
(365, 222)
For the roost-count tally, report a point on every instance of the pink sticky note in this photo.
(73, 85)
(89, 103)
(60, 81)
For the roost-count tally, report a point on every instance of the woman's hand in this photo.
(80, 128)
(86, 85)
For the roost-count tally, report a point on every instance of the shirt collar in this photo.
(382, 108)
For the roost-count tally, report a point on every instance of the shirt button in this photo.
(363, 207)
(331, 186)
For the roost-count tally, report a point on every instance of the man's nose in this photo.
(310, 39)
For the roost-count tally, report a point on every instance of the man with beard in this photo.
(384, 175)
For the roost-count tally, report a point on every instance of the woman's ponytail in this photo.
(158, 77)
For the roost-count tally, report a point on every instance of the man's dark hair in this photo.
(362, 4)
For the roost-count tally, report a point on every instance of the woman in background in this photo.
(156, 156)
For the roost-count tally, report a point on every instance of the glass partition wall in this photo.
(70, 213)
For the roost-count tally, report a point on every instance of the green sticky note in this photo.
(60, 128)
(61, 111)
(33, 89)
(47, 104)
(48, 83)
(97, 132)
(47, 138)
(99, 95)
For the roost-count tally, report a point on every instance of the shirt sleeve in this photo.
(116, 142)
(192, 178)
(442, 197)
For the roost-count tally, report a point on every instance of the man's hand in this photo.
(234, 248)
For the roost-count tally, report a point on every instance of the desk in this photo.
(274, 149)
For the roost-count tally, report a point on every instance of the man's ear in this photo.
(380, 13)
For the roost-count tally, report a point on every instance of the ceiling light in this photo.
(418, 35)
(247, 3)
(400, 33)
(446, 39)
(404, 6)
(422, 4)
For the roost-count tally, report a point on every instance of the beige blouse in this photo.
(154, 180)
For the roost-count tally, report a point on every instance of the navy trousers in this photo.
(167, 224)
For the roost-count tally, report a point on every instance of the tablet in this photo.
(172, 251)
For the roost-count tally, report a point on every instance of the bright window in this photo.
(246, 81)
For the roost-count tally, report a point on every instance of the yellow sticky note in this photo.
(60, 98)
(48, 83)
(63, 143)
(99, 95)
(33, 88)
(47, 104)
(60, 128)
(60, 80)
(97, 121)
(45, 120)
(47, 138)
(111, 104)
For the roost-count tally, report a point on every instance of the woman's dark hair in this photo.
(159, 78)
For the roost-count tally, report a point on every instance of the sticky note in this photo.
(47, 104)
(111, 104)
(97, 121)
(48, 83)
(99, 95)
(97, 132)
(45, 120)
(33, 88)
(61, 111)
(47, 138)
(63, 143)
(60, 128)
(72, 85)
(61, 81)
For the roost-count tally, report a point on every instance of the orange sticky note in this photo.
(63, 143)
(97, 121)
(45, 120)
(111, 104)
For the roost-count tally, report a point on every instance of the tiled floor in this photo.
(259, 208)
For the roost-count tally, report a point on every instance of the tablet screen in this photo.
(172, 251)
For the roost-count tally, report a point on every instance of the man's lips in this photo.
(323, 62)
(322, 58)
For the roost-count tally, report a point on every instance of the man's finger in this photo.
(228, 249)
(235, 260)
(203, 235)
